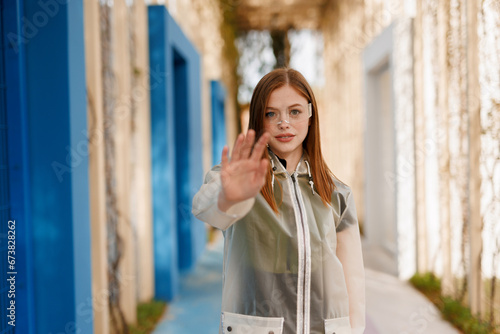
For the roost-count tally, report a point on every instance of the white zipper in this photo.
(307, 283)
(304, 249)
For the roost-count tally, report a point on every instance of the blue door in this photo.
(44, 165)
(177, 169)
(7, 322)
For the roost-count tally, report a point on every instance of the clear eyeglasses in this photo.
(294, 114)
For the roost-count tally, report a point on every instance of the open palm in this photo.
(243, 176)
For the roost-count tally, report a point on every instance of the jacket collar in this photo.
(278, 167)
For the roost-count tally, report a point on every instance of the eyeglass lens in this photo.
(294, 114)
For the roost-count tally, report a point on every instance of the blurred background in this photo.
(112, 111)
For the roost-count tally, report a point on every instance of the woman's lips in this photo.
(284, 138)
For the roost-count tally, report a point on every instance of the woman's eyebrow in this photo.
(290, 106)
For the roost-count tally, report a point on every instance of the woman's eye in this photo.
(295, 112)
(270, 114)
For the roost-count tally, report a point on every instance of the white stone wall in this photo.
(129, 134)
(447, 128)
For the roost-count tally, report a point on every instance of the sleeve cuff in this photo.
(223, 220)
(240, 209)
(206, 208)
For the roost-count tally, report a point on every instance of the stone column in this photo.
(474, 134)
(97, 183)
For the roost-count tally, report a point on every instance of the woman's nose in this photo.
(283, 124)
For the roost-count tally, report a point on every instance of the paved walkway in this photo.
(197, 307)
(393, 306)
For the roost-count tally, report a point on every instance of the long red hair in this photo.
(321, 174)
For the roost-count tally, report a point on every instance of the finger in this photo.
(260, 146)
(247, 145)
(235, 154)
(224, 158)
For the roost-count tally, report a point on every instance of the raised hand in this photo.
(243, 176)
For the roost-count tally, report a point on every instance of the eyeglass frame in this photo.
(309, 111)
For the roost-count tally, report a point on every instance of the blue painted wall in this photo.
(176, 150)
(218, 120)
(7, 254)
(18, 161)
(48, 165)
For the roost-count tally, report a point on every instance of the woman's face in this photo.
(286, 137)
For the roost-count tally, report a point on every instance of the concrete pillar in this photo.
(142, 153)
(420, 154)
(474, 134)
(123, 123)
(97, 182)
(404, 121)
(443, 145)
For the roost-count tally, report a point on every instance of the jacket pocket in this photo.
(233, 323)
(338, 326)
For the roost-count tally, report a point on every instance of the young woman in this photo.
(292, 250)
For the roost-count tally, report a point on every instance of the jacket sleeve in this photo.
(350, 255)
(205, 203)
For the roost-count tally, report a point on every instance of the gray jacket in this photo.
(297, 272)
